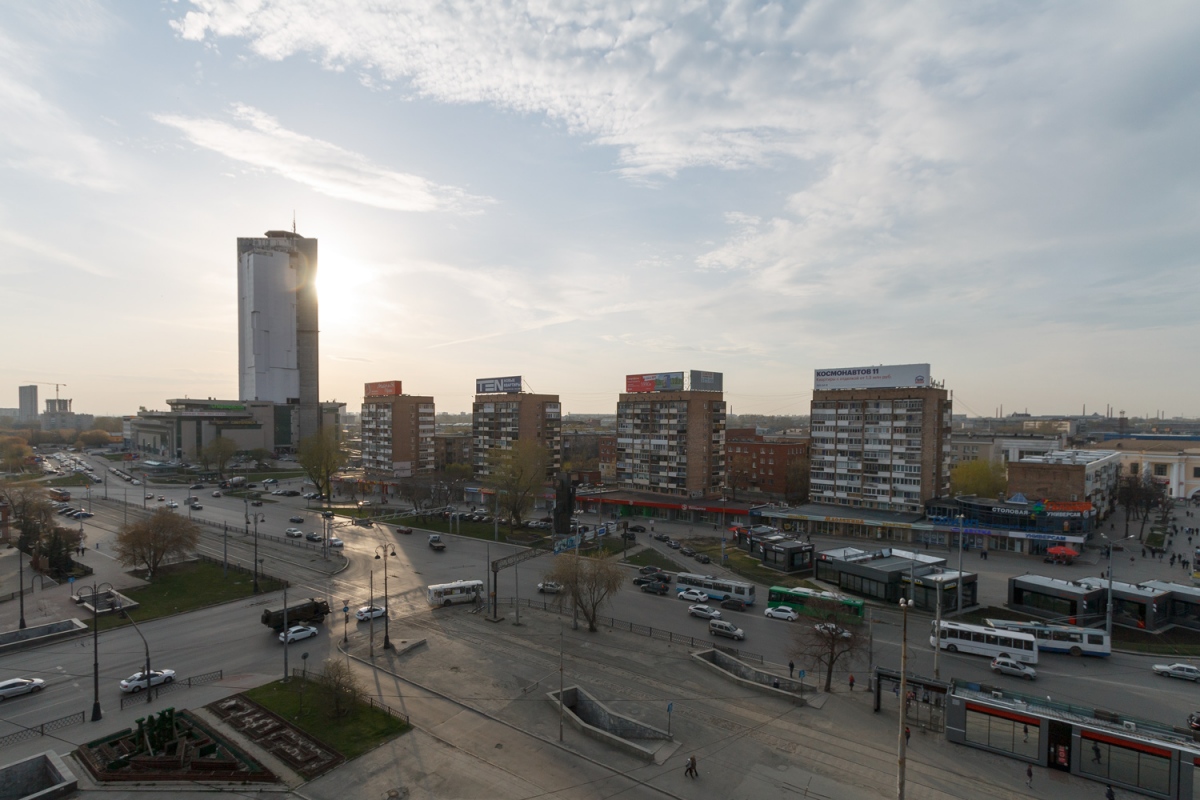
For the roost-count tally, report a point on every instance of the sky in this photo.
(576, 191)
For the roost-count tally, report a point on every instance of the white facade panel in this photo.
(267, 284)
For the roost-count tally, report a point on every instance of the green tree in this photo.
(982, 478)
(517, 475)
(588, 582)
(14, 450)
(219, 451)
(260, 455)
(148, 542)
(321, 456)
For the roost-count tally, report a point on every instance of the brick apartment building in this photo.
(397, 431)
(608, 459)
(758, 463)
(451, 448)
(1068, 475)
(501, 418)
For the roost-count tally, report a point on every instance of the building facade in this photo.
(451, 448)
(278, 324)
(1175, 464)
(500, 420)
(608, 458)
(397, 435)
(671, 442)
(970, 446)
(1089, 476)
(28, 403)
(757, 463)
(881, 448)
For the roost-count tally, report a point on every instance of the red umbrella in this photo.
(1062, 550)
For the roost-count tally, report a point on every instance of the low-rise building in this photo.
(451, 448)
(770, 465)
(1068, 475)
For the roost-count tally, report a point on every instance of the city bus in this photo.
(716, 588)
(815, 603)
(958, 637)
(444, 594)
(1068, 639)
(59, 495)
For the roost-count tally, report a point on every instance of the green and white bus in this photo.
(815, 603)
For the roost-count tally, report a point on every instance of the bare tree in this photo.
(321, 455)
(518, 474)
(219, 451)
(737, 472)
(824, 644)
(588, 582)
(148, 542)
(339, 686)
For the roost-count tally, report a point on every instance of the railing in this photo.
(41, 730)
(173, 686)
(642, 630)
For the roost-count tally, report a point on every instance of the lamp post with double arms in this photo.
(149, 681)
(21, 583)
(384, 549)
(96, 589)
(902, 739)
(257, 517)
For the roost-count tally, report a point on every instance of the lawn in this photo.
(70, 480)
(649, 557)
(300, 702)
(186, 587)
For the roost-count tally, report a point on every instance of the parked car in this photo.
(703, 558)
(687, 551)
(1010, 666)
(368, 612)
(719, 627)
(703, 611)
(549, 587)
(637, 528)
(674, 545)
(693, 595)
(296, 633)
(14, 687)
(662, 537)
(296, 519)
(781, 612)
(137, 681)
(733, 604)
(1185, 671)
(655, 587)
(630, 535)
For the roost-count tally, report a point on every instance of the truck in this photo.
(237, 482)
(311, 610)
(435, 541)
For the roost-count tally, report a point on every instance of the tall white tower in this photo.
(277, 324)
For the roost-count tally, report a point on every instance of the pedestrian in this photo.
(1029, 775)
(691, 767)
(1143, 552)
(1025, 730)
(907, 735)
(1109, 794)
(775, 683)
(791, 668)
(1095, 753)
(852, 683)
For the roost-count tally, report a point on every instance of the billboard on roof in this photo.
(381, 389)
(507, 385)
(707, 381)
(888, 376)
(654, 382)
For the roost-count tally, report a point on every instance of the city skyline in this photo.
(575, 194)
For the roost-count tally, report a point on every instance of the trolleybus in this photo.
(958, 637)
(1068, 639)
(716, 588)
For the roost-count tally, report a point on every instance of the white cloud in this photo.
(41, 249)
(257, 139)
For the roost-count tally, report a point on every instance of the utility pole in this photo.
(902, 740)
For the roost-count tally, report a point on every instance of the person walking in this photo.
(1095, 753)
(1029, 775)
(1109, 794)
(691, 767)
(907, 735)
(852, 683)
(1025, 730)
(791, 668)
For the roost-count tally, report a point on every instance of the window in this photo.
(1134, 764)
(1018, 736)
(1160, 470)
(1196, 472)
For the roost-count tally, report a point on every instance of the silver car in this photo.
(1009, 666)
(18, 686)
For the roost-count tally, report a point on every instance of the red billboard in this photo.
(381, 389)
(655, 382)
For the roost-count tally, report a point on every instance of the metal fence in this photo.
(635, 627)
(174, 686)
(42, 729)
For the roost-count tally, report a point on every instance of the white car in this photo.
(293, 533)
(1185, 671)
(297, 633)
(18, 686)
(693, 595)
(368, 612)
(336, 542)
(172, 504)
(549, 587)
(781, 612)
(1010, 666)
(832, 630)
(137, 681)
(704, 612)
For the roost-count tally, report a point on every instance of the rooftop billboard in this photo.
(655, 382)
(381, 389)
(508, 385)
(889, 376)
(707, 381)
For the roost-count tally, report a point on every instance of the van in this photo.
(719, 627)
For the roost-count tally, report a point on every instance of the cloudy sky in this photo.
(573, 191)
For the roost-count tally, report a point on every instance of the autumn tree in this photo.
(982, 478)
(825, 644)
(219, 451)
(587, 582)
(109, 424)
(320, 456)
(162, 535)
(95, 438)
(517, 475)
(14, 450)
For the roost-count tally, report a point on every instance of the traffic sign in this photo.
(802, 674)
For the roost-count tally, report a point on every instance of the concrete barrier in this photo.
(38, 635)
(592, 718)
(744, 674)
(41, 777)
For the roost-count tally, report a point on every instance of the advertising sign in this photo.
(382, 389)
(888, 376)
(707, 381)
(509, 385)
(655, 382)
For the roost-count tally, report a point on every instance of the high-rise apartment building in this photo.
(880, 438)
(502, 415)
(671, 440)
(28, 403)
(277, 324)
(397, 431)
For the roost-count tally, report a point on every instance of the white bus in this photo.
(716, 588)
(957, 637)
(444, 594)
(1068, 639)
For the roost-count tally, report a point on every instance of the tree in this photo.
(260, 455)
(56, 550)
(110, 424)
(738, 472)
(148, 542)
(982, 478)
(796, 480)
(95, 438)
(824, 644)
(588, 582)
(517, 475)
(219, 451)
(320, 456)
(14, 450)
(339, 687)
(446, 487)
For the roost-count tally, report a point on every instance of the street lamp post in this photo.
(384, 548)
(257, 517)
(149, 684)
(901, 739)
(961, 531)
(21, 582)
(96, 589)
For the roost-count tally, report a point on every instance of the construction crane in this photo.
(55, 385)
